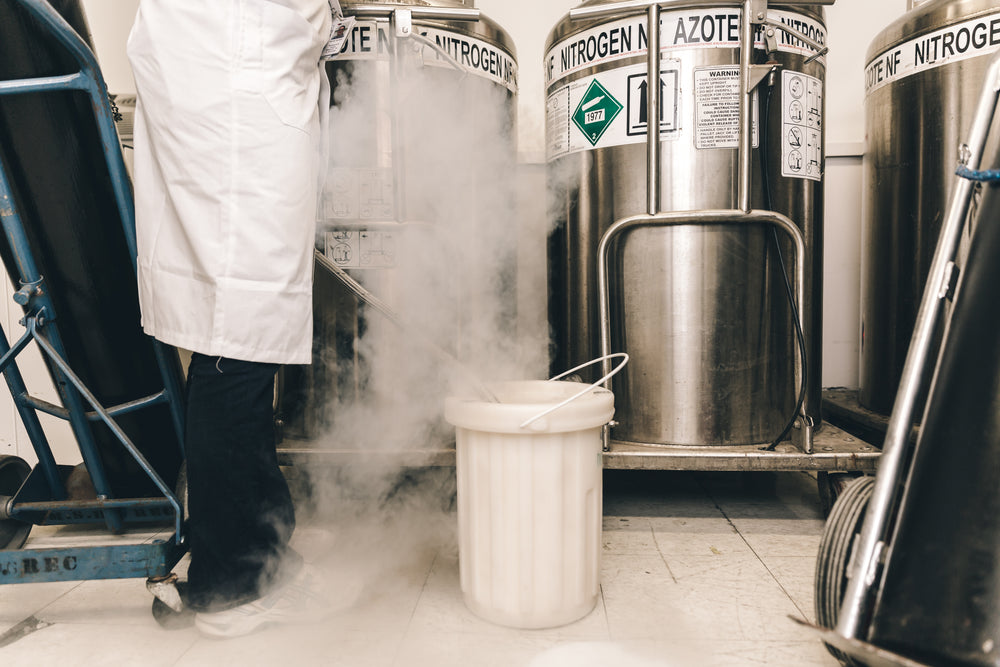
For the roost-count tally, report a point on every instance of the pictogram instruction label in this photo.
(610, 109)
(717, 107)
(801, 126)
(361, 249)
(358, 194)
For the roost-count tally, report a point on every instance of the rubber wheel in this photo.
(830, 485)
(13, 472)
(170, 619)
(835, 549)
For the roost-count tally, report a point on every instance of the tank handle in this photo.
(614, 355)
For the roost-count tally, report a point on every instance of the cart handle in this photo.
(706, 217)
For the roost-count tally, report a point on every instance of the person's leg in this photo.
(241, 513)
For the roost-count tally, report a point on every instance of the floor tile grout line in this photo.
(754, 552)
(660, 552)
(604, 605)
(194, 642)
(413, 612)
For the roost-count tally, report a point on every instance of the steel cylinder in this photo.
(937, 599)
(701, 309)
(923, 78)
(422, 146)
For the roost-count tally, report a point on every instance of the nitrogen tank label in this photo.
(684, 29)
(969, 39)
(717, 108)
(801, 126)
(371, 40)
(610, 109)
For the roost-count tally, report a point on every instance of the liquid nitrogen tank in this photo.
(417, 208)
(702, 310)
(923, 78)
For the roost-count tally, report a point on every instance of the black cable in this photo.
(764, 114)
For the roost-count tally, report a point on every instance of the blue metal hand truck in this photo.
(39, 496)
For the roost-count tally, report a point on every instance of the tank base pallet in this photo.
(835, 451)
(842, 408)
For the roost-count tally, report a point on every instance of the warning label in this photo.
(610, 109)
(361, 249)
(717, 107)
(596, 111)
(638, 102)
(358, 194)
(802, 126)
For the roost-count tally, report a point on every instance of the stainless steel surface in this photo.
(748, 24)
(408, 120)
(702, 312)
(652, 111)
(857, 597)
(914, 125)
(870, 655)
(698, 218)
(610, 8)
(835, 451)
(418, 12)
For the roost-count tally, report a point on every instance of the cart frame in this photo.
(42, 498)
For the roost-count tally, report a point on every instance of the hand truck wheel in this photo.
(835, 549)
(13, 472)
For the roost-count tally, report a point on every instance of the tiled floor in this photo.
(698, 569)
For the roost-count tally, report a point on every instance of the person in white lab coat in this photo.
(232, 100)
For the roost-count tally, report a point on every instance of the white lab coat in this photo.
(229, 150)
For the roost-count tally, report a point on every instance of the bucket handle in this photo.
(621, 355)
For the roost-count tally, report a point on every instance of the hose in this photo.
(800, 337)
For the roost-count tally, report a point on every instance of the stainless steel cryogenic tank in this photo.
(422, 145)
(923, 77)
(702, 310)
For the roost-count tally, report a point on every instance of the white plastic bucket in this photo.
(530, 501)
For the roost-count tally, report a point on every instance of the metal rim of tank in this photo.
(932, 15)
(566, 26)
(485, 29)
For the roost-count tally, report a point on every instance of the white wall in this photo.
(852, 24)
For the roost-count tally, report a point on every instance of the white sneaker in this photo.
(296, 602)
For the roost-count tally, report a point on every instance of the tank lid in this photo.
(925, 17)
(485, 28)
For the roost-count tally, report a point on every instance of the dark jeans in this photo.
(241, 513)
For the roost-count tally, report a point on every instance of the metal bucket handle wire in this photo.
(622, 355)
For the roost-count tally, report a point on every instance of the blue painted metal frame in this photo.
(81, 406)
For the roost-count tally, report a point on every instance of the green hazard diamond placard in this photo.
(596, 111)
